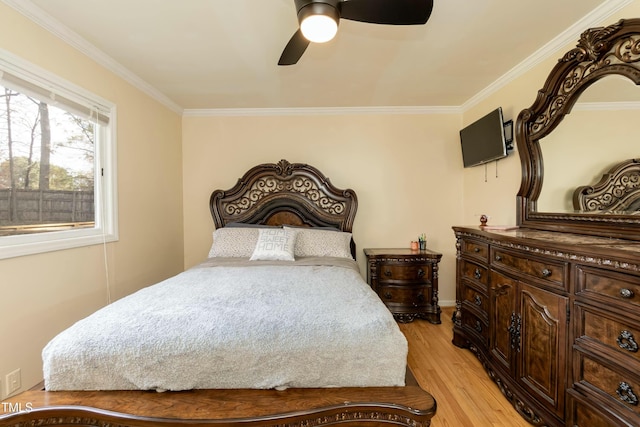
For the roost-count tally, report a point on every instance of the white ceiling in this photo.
(215, 54)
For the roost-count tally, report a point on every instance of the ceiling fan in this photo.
(319, 19)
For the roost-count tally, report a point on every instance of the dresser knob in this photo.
(387, 273)
(387, 295)
(477, 274)
(627, 342)
(546, 272)
(477, 300)
(626, 394)
(421, 273)
(498, 258)
(476, 250)
(478, 326)
(626, 293)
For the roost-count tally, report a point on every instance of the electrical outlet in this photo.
(13, 382)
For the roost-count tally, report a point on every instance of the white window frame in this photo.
(105, 199)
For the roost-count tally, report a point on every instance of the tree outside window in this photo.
(58, 185)
(46, 166)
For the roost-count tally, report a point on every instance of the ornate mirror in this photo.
(580, 171)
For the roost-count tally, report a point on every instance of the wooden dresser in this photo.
(406, 281)
(555, 320)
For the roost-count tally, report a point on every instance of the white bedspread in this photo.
(230, 326)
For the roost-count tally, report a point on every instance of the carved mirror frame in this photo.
(600, 52)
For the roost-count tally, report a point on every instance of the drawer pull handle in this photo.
(626, 293)
(477, 274)
(420, 273)
(498, 258)
(478, 300)
(546, 272)
(387, 273)
(514, 329)
(476, 250)
(387, 295)
(627, 342)
(420, 297)
(626, 394)
(478, 326)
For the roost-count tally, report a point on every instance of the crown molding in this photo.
(606, 106)
(318, 111)
(570, 35)
(55, 27)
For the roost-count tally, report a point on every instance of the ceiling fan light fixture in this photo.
(319, 22)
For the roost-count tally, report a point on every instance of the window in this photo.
(57, 162)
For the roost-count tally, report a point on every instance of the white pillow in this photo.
(234, 242)
(275, 244)
(329, 243)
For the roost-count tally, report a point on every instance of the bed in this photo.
(291, 335)
(617, 191)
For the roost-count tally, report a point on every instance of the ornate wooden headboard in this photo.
(617, 191)
(285, 193)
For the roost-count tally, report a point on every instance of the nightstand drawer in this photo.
(411, 273)
(406, 281)
(415, 296)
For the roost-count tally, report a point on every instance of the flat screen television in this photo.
(484, 140)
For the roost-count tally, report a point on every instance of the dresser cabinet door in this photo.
(502, 341)
(529, 338)
(541, 364)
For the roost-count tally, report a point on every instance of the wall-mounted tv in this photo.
(484, 140)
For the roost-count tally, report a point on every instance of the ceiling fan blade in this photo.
(294, 49)
(394, 12)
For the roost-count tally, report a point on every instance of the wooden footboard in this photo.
(405, 406)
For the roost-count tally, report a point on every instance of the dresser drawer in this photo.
(475, 272)
(476, 326)
(546, 271)
(619, 387)
(410, 296)
(608, 286)
(475, 249)
(615, 334)
(585, 414)
(410, 273)
(477, 299)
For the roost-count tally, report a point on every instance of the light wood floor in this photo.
(465, 395)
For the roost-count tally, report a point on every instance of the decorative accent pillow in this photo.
(275, 244)
(319, 242)
(234, 242)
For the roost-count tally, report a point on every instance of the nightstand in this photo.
(406, 281)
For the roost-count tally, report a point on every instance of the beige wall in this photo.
(40, 295)
(405, 169)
